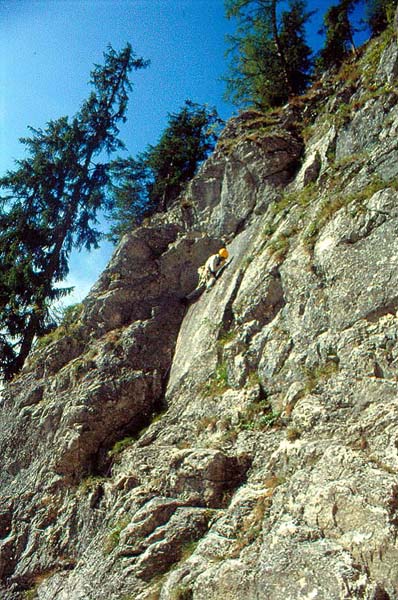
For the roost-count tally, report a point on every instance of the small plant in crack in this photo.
(293, 434)
(226, 337)
(251, 527)
(121, 445)
(319, 374)
(113, 538)
(181, 592)
(218, 382)
(259, 416)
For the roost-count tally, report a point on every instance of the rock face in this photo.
(245, 446)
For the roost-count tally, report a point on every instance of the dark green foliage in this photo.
(379, 13)
(339, 35)
(297, 52)
(51, 203)
(128, 187)
(270, 59)
(153, 180)
(189, 138)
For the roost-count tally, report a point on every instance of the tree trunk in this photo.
(279, 49)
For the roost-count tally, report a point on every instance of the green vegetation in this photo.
(277, 242)
(303, 197)
(345, 112)
(121, 445)
(188, 548)
(259, 416)
(151, 182)
(226, 337)
(349, 72)
(279, 246)
(339, 35)
(270, 59)
(50, 201)
(254, 130)
(369, 190)
(319, 374)
(252, 525)
(113, 538)
(328, 207)
(212, 325)
(269, 229)
(181, 592)
(292, 434)
(90, 483)
(218, 382)
(126, 442)
(32, 593)
(334, 197)
(380, 14)
(69, 325)
(253, 378)
(370, 60)
(50, 205)
(363, 71)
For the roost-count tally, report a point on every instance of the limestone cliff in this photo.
(245, 446)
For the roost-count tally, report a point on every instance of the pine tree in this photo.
(51, 203)
(153, 180)
(297, 52)
(188, 139)
(339, 35)
(270, 59)
(379, 14)
(129, 192)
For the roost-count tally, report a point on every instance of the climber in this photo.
(209, 272)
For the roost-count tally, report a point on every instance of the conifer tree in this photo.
(129, 193)
(339, 35)
(188, 139)
(50, 205)
(298, 54)
(270, 59)
(153, 180)
(379, 13)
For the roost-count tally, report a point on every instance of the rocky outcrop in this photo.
(245, 445)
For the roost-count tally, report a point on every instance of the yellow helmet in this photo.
(223, 253)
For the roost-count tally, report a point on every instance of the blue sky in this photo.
(48, 48)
